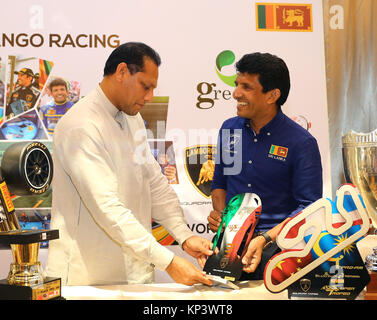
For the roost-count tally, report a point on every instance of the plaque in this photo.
(319, 257)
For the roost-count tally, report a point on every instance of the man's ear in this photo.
(273, 96)
(121, 71)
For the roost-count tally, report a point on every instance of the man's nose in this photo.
(236, 93)
(149, 96)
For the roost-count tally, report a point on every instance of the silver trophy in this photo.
(360, 167)
(371, 260)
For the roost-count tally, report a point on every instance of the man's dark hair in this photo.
(272, 70)
(132, 53)
(58, 82)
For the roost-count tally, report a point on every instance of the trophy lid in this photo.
(353, 138)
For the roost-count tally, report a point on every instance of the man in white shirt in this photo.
(107, 186)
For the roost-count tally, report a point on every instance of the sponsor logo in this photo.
(55, 40)
(200, 167)
(305, 284)
(284, 17)
(208, 91)
(6, 197)
(226, 58)
(231, 142)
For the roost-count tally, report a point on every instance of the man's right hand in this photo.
(182, 271)
(214, 220)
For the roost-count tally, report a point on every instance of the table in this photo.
(249, 290)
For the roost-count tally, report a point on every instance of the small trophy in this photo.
(26, 168)
(238, 222)
(371, 265)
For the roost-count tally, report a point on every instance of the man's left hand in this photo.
(198, 248)
(253, 255)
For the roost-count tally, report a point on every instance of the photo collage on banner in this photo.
(32, 101)
(154, 115)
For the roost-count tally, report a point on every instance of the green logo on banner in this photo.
(225, 58)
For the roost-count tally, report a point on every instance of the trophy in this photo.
(238, 222)
(371, 264)
(360, 167)
(26, 168)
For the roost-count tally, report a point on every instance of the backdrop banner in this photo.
(199, 42)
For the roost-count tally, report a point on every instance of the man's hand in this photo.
(182, 271)
(170, 173)
(198, 248)
(218, 203)
(253, 255)
(214, 220)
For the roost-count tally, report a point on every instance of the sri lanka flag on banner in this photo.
(284, 17)
(44, 70)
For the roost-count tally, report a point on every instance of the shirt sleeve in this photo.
(89, 166)
(307, 183)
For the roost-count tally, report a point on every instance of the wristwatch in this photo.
(265, 236)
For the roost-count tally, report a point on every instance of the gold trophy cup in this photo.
(26, 168)
(360, 167)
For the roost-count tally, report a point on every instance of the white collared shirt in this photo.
(107, 187)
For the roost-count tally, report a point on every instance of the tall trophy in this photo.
(26, 169)
(360, 167)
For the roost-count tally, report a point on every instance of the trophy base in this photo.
(50, 289)
(25, 274)
(371, 293)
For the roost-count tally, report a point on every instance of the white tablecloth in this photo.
(249, 290)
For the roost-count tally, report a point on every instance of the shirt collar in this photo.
(117, 114)
(269, 127)
(274, 122)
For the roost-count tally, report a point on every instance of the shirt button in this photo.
(268, 133)
(255, 140)
(250, 161)
(249, 185)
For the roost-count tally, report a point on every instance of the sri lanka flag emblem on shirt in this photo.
(278, 151)
(284, 17)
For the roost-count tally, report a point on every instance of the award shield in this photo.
(239, 219)
(360, 167)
